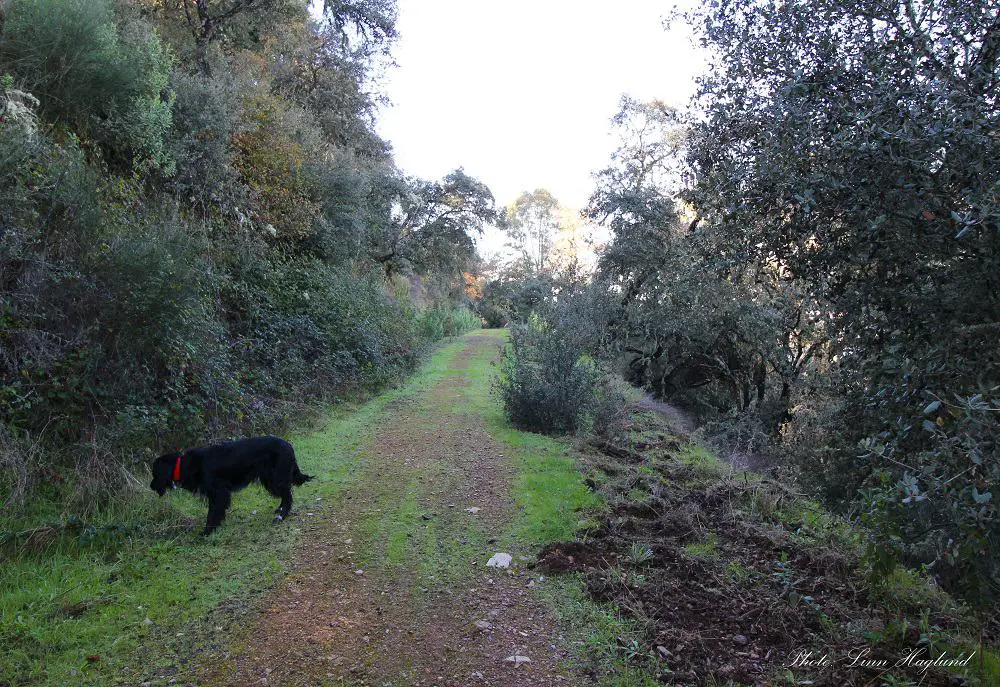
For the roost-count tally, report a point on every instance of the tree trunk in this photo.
(201, 54)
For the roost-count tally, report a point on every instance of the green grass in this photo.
(738, 572)
(607, 642)
(397, 536)
(904, 590)
(707, 549)
(401, 528)
(810, 523)
(706, 466)
(987, 666)
(549, 491)
(76, 613)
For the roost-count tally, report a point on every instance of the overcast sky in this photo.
(520, 92)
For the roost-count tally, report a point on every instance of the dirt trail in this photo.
(683, 424)
(389, 584)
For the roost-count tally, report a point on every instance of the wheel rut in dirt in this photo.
(390, 586)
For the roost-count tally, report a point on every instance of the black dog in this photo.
(217, 471)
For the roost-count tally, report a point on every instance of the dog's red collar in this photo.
(177, 468)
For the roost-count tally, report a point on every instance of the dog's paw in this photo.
(279, 517)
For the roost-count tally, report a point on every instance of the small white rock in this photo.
(499, 560)
(517, 659)
(359, 572)
(473, 510)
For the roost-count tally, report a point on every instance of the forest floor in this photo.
(637, 560)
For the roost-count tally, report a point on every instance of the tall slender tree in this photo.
(533, 221)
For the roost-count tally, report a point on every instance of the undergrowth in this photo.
(689, 550)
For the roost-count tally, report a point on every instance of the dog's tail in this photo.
(299, 477)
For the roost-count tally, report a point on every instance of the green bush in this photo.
(544, 383)
(49, 196)
(440, 321)
(514, 295)
(611, 412)
(106, 76)
(206, 114)
(463, 320)
(893, 247)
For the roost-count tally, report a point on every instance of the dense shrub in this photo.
(513, 295)
(544, 384)
(320, 329)
(21, 469)
(864, 169)
(831, 298)
(612, 410)
(440, 321)
(193, 242)
(102, 74)
(206, 116)
(548, 381)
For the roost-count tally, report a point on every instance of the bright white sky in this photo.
(520, 92)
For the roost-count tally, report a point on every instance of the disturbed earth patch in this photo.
(734, 577)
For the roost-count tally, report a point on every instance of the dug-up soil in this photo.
(734, 582)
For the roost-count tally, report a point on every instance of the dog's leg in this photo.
(218, 502)
(286, 505)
